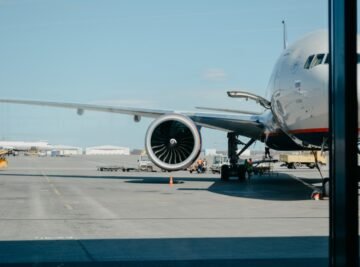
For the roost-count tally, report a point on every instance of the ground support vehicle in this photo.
(145, 164)
(293, 161)
(218, 161)
(3, 163)
(3, 160)
(263, 168)
(115, 169)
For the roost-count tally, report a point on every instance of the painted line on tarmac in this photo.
(56, 191)
(46, 177)
(68, 206)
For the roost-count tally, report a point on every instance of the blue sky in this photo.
(155, 54)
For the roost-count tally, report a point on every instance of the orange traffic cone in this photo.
(171, 182)
(316, 195)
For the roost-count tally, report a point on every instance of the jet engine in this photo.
(173, 142)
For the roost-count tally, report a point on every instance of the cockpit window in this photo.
(327, 59)
(317, 60)
(314, 60)
(308, 62)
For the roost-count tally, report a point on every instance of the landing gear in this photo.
(325, 181)
(224, 173)
(237, 171)
(326, 187)
(234, 168)
(243, 175)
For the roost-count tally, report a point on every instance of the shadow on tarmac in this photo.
(252, 251)
(281, 187)
(276, 188)
(130, 179)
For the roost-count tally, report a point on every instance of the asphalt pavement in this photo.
(63, 211)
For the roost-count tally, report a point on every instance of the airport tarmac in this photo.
(62, 210)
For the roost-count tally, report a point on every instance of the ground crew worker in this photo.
(204, 165)
(249, 166)
(267, 152)
(200, 165)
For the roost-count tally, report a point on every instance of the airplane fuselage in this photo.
(298, 90)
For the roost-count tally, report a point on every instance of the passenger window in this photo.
(308, 62)
(317, 60)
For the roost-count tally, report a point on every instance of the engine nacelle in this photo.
(173, 142)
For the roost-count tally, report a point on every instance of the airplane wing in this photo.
(249, 126)
(153, 113)
(246, 125)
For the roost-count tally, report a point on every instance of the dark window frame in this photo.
(308, 61)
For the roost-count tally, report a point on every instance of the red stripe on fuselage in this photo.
(301, 131)
(315, 130)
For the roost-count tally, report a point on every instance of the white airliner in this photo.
(295, 116)
(24, 146)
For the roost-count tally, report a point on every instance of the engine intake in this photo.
(173, 142)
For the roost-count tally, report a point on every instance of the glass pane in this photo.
(308, 62)
(327, 59)
(317, 60)
(100, 187)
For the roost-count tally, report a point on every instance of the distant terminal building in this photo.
(62, 150)
(107, 150)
